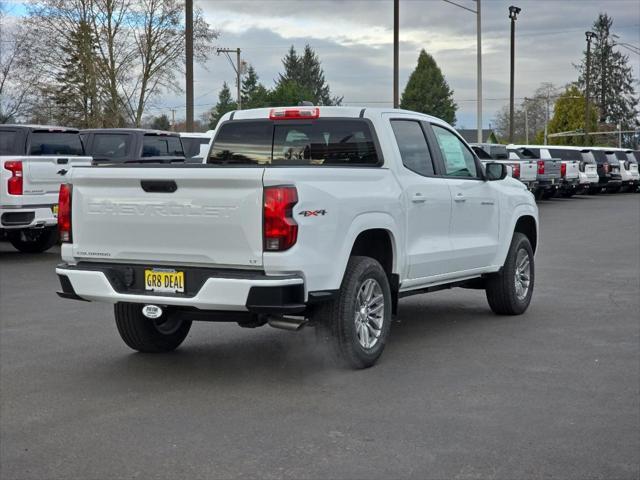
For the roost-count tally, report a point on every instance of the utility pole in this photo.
(479, 69)
(589, 36)
(236, 68)
(173, 119)
(189, 61)
(603, 84)
(546, 116)
(513, 15)
(396, 53)
(526, 121)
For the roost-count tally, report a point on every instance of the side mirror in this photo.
(496, 171)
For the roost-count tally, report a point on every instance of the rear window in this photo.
(192, 146)
(161, 146)
(8, 140)
(110, 146)
(498, 152)
(637, 155)
(55, 143)
(330, 142)
(621, 156)
(563, 154)
(527, 152)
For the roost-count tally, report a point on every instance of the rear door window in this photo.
(8, 142)
(55, 143)
(110, 146)
(161, 146)
(413, 147)
(458, 159)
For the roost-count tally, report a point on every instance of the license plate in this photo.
(165, 281)
(54, 209)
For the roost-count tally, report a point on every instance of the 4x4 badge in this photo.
(313, 213)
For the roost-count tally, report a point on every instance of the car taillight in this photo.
(515, 170)
(606, 167)
(540, 167)
(563, 169)
(14, 184)
(280, 229)
(294, 113)
(64, 212)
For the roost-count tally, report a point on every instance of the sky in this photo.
(354, 41)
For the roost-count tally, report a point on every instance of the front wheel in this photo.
(509, 292)
(356, 323)
(33, 240)
(162, 334)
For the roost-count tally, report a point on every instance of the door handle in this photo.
(460, 198)
(418, 198)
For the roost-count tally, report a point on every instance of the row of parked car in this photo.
(550, 171)
(35, 159)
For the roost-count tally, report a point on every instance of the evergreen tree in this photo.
(77, 93)
(161, 123)
(568, 115)
(428, 92)
(225, 104)
(306, 73)
(288, 93)
(253, 93)
(611, 83)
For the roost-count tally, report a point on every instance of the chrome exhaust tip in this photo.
(293, 324)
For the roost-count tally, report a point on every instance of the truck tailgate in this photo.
(43, 175)
(168, 215)
(528, 170)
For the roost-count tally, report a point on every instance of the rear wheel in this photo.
(549, 193)
(162, 334)
(509, 291)
(356, 323)
(33, 240)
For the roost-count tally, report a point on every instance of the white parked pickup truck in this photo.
(302, 215)
(34, 160)
(519, 168)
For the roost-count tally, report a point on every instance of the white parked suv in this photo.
(34, 160)
(301, 215)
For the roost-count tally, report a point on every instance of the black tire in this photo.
(336, 320)
(146, 335)
(614, 190)
(568, 193)
(501, 287)
(550, 193)
(32, 240)
(538, 194)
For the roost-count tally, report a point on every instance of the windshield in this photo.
(55, 143)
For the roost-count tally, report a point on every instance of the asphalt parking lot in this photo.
(458, 394)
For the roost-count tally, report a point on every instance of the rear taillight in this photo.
(606, 167)
(64, 212)
(515, 170)
(14, 184)
(280, 229)
(563, 169)
(582, 166)
(540, 167)
(627, 165)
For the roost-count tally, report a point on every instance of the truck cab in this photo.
(132, 145)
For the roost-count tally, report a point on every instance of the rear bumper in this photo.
(25, 216)
(251, 291)
(570, 184)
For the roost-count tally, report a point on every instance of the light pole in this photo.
(396, 53)
(513, 14)
(236, 68)
(478, 12)
(590, 36)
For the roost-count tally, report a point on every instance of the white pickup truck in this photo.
(519, 168)
(301, 216)
(34, 160)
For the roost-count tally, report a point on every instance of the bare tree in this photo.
(19, 71)
(158, 32)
